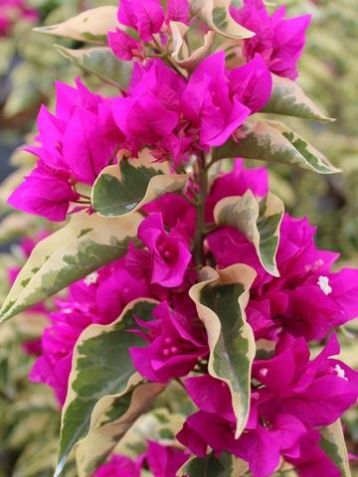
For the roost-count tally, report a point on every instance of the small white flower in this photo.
(264, 372)
(340, 372)
(91, 279)
(323, 283)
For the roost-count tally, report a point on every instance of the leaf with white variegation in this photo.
(124, 188)
(289, 99)
(111, 418)
(273, 141)
(101, 367)
(85, 244)
(210, 466)
(259, 220)
(181, 54)
(100, 62)
(333, 444)
(221, 299)
(90, 26)
(216, 14)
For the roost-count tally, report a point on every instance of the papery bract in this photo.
(178, 11)
(162, 460)
(75, 144)
(280, 41)
(177, 213)
(44, 192)
(120, 466)
(150, 112)
(244, 82)
(169, 252)
(176, 342)
(208, 104)
(165, 461)
(144, 16)
(124, 46)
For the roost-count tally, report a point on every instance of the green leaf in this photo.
(258, 220)
(288, 99)
(85, 244)
(111, 419)
(210, 466)
(333, 444)
(101, 367)
(124, 188)
(90, 26)
(100, 62)
(273, 141)
(221, 299)
(216, 14)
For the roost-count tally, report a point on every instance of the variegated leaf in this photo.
(221, 299)
(122, 189)
(111, 419)
(101, 62)
(210, 466)
(273, 141)
(85, 244)
(90, 26)
(216, 14)
(333, 444)
(101, 367)
(288, 99)
(181, 53)
(258, 220)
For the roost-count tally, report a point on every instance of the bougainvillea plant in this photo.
(184, 276)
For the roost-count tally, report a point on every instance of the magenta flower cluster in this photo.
(293, 395)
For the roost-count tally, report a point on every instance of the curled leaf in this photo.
(220, 301)
(258, 220)
(216, 14)
(181, 54)
(122, 189)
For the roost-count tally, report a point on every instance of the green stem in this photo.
(202, 179)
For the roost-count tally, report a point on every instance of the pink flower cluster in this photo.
(12, 11)
(292, 396)
(173, 116)
(279, 40)
(180, 118)
(160, 111)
